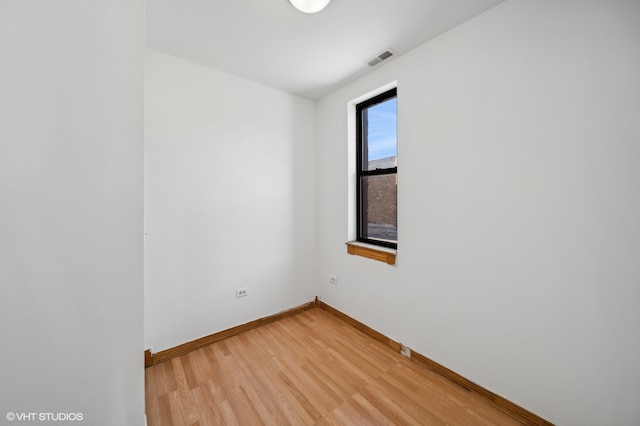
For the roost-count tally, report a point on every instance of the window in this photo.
(377, 170)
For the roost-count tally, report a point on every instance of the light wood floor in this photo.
(310, 368)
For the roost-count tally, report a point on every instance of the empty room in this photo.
(320, 212)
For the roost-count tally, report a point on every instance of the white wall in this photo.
(519, 207)
(71, 182)
(229, 200)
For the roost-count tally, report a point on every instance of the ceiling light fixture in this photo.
(309, 6)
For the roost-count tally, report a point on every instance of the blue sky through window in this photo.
(383, 123)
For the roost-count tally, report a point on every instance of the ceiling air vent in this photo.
(385, 54)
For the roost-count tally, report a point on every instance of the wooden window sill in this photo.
(372, 252)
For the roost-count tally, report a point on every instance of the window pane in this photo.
(381, 141)
(379, 207)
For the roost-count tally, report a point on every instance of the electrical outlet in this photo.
(242, 292)
(405, 350)
(333, 279)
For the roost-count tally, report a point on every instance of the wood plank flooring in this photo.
(308, 369)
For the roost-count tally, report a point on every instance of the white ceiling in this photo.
(270, 42)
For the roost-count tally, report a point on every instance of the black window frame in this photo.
(360, 173)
